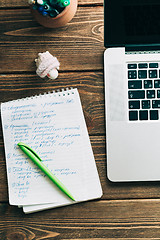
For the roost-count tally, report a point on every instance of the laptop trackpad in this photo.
(133, 151)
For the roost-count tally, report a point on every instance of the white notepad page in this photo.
(53, 125)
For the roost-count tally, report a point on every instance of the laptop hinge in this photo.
(142, 48)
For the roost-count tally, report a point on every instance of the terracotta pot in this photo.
(60, 20)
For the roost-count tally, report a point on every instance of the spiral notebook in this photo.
(53, 125)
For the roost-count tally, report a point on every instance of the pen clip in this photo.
(30, 149)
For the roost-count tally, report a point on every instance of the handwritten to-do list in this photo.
(53, 125)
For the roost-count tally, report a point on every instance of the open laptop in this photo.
(132, 89)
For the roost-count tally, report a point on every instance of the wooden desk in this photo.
(126, 211)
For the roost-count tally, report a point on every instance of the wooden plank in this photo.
(78, 45)
(24, 3)
(131, 219)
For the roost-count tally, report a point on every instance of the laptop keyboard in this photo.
(143, 91)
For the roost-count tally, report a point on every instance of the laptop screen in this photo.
(131, 22)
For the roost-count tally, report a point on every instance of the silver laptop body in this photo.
(132, 93)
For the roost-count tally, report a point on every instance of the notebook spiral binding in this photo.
(59, 92)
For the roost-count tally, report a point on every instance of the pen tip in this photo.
(19, 144)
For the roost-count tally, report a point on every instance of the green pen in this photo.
(37, 160)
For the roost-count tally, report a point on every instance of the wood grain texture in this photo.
(132, 219)
(127, 211)
(24, 3)
(78, 45)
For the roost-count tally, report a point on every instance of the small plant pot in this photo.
(60, 20)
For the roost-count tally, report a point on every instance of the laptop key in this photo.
(154, 115)
(135, 84)
(157, 83)
(132, 74)
(142, 74)
(137, 94)
(148, 84)
(152, 73)
(155, 103)
(150, 93)
(146, 104)
(134, 104)
(153, 65)
(143, 115)
(132, 66)
(158, 93)
(143, 65)
(133, 115)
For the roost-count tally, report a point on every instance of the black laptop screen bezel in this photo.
(121, 27)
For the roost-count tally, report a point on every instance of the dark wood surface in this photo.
(126, 210)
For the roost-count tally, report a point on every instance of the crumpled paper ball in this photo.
(47, 65)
